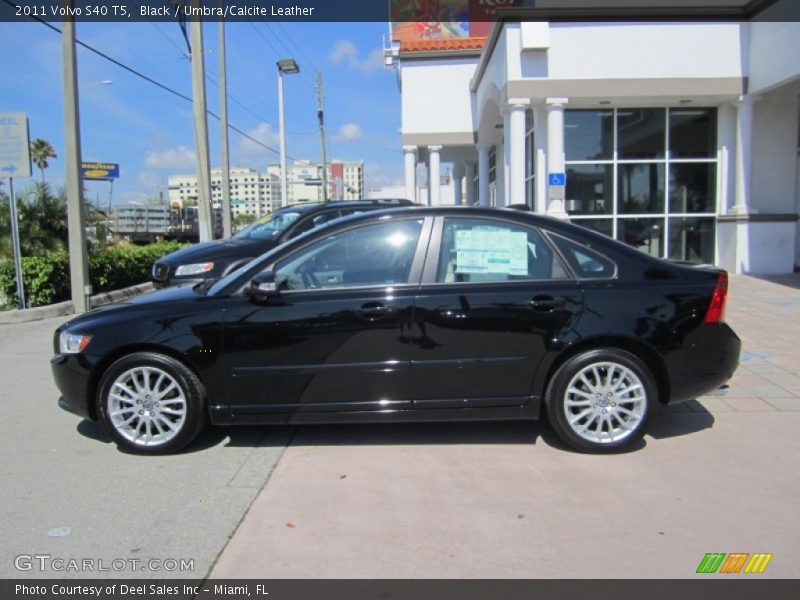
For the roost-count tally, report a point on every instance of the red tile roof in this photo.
(443, 45)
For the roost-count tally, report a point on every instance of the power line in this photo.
(152, 81)
(299, 50)
(277, 52)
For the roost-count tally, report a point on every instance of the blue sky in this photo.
(150, 132)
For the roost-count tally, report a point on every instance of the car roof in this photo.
(311, 206)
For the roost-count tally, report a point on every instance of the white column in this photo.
(555, 151)
(540, 156)
(410, 160)
(501, 185)
(469, 175)
(515, 139)
(743, 161)
(458, 182)
(483, 174)
(434, 183)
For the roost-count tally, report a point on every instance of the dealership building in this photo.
(680, 138)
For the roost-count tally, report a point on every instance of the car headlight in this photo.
(195, 269)
(72, 343)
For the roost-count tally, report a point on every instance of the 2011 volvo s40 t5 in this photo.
(409, 314)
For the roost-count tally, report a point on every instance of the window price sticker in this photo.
(485, 251)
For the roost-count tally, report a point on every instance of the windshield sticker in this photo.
(482, 251)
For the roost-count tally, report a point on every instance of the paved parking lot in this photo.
(431, 500)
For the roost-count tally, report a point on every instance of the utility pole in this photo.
(223, 107)
(320, 115)
(204, 215)
(76, 214)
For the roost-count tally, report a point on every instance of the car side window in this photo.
(314, 221)
(479, 250)
(377, 254)
(585, 262)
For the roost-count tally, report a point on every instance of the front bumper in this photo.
(176, 281)
(708, 358)
(71, 375)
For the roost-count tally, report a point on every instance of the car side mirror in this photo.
(263, 287)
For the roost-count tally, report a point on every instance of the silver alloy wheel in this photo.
(605, 402)
(147, 406)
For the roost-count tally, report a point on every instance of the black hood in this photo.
(227, 249)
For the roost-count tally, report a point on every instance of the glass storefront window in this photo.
(589, 134)
(692, 187)
(641, 188)
(641, 133)
(604, 226)
(645, 234)
(692, 239)
(590, 189)
(693, 132)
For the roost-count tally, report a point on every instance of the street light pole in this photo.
(289, 66)
(223, 109)
(76, 215)
(204, 214)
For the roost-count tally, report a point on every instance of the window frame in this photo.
(577, 276)
(431, 266)
(415, 271)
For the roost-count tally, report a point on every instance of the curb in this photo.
(63, 309)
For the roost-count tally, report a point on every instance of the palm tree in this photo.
(41, 151)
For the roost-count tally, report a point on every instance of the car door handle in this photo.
(546, 303)
(374, 310)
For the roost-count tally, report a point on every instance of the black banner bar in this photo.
(708, 588)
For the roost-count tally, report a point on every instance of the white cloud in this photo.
(172, 158)
(346, 52)
(149, 180)
(349, 132)
(379, 175)
(251, 154)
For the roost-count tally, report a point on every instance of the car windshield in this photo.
(269, 227)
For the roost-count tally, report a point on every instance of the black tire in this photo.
(603, 425)
(191, 388)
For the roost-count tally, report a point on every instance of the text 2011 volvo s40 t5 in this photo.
(414, 314)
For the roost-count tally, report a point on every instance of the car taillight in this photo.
(716, 308)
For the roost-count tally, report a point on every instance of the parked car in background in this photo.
(212, 260)
(412, 314)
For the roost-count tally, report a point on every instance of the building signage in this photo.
(15, 157)
(557, 179)
(98, 170)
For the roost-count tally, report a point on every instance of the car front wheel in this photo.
(151, 403)
(601, 400)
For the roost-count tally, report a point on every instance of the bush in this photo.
(46, 277)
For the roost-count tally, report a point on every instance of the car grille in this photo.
(160, 272)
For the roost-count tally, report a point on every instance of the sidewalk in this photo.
(505, 500)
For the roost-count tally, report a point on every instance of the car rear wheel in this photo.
(601, 400)
(151, 403)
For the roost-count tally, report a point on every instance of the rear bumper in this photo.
(708, 358)
(71, 377)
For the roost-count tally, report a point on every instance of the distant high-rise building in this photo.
(252, 193)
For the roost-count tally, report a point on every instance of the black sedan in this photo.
(409, 314)
(212, 260)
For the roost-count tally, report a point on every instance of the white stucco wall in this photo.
(631, 51)
(775, 133)
(436, 95)
(774, 54)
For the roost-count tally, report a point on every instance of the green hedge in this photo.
(46, 277)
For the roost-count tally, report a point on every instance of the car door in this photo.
(330, 343)
(494, 299)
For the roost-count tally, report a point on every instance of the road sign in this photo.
(99, 170)
(15, 155)
(557, 179)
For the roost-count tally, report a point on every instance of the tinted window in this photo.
(379, 254)
(314, 221)
(270, 227)
(476, 250)
(586, 263)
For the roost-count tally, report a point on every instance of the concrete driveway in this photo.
(432, 500)
(59, 472)
(504, 500)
